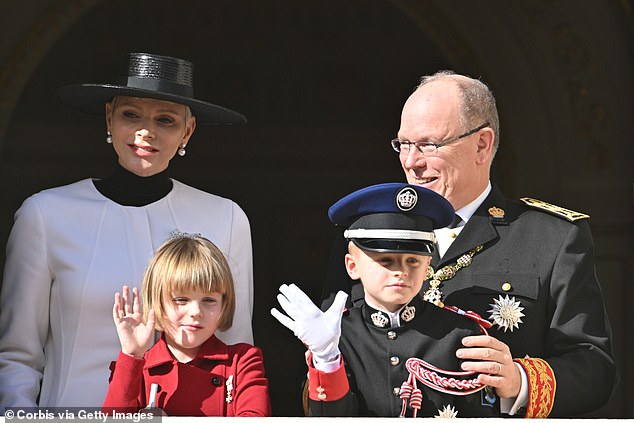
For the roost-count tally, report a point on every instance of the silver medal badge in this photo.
(506, 313)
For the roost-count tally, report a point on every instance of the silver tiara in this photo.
(178, 234)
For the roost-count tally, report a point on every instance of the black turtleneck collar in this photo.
(126, 188)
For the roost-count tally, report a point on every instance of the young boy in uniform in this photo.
(395, 355)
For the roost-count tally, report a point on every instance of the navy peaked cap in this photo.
(392, 217)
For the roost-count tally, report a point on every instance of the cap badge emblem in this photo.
(379, 319)
(406, 199)
(506, 313)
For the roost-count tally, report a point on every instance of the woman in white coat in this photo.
(72, 247)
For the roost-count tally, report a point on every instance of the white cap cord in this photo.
(395, 234)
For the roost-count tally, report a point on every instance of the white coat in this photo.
(69, 250)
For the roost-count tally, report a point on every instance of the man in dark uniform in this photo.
(397, 351)
(527, 266)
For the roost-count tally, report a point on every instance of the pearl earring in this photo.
(108, 137)
(181, 150)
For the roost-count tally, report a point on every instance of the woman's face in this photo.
(146, 133)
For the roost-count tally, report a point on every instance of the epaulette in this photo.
(569, 215)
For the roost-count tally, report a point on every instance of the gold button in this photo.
(391, 335)
(454, 235)
(506, 286)
(394, 361)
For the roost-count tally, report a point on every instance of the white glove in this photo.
(319, 330)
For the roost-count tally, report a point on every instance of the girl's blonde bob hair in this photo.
(187, 262)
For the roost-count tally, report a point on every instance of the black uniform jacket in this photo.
(375, 357)
(544, 262)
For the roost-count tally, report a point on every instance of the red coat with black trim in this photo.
(196, 388)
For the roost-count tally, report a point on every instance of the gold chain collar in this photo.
(434, 294)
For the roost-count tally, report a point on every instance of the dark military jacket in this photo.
(375, 358)
(544, 264)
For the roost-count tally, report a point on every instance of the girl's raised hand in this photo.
(134, 335)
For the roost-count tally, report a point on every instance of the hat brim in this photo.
(91, 98)
(422, 248)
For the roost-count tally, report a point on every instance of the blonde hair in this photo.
(187, 262)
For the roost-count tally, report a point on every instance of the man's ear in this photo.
(351, 267)
(485, 143)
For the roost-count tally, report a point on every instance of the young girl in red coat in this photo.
(188, 294)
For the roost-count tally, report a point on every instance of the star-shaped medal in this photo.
(448, 412)
(506, 313)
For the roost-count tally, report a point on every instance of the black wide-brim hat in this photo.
(150, 76)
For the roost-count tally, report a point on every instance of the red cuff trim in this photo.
(127, 364)
(324, 386)
(542, 386)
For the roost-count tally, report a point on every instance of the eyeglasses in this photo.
(430, 148)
